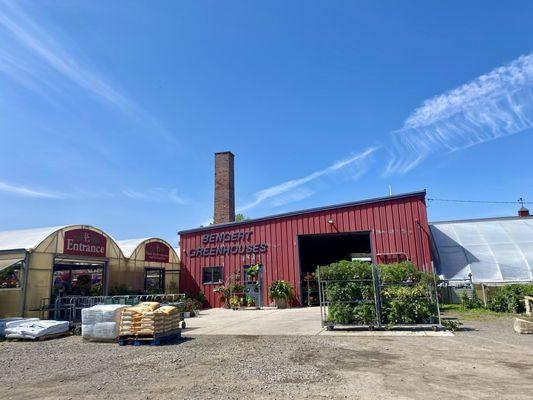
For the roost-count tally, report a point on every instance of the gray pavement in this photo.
(303, 321)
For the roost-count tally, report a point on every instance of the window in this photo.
(154, 281)
(211, 275)
(10, 276)
(81, 280)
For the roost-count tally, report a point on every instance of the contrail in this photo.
(494, 105)
(294, 189)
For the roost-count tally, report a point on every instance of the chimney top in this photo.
(523, 212)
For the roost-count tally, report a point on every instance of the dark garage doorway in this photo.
(325, 249)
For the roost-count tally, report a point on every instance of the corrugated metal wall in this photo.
(397, 225)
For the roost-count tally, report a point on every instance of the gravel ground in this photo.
(485, 361)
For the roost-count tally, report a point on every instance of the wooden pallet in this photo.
(153, 340)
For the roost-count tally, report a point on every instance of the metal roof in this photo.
(307, 211)
(491, 249)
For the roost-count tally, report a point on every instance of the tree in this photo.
(240, 217)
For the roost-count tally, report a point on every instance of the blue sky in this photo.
(110, 112)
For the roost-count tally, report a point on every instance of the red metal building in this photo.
(290, 246)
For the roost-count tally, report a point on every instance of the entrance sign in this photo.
(156, 252)
(84, 242)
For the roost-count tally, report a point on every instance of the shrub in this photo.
(510, 298)
(470, 303)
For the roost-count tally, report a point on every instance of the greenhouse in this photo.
(43, 264)
(493, 250)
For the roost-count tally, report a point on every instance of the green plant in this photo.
(470, 303)
(96, 289)
(341, 313)
(121, 289)
(200, 298)
(192, 305)
(406, 305)
(399, 272)
(252, 270)
(345, 270)
(452, 325)
(364, 313)
(235, 302)
(510, 298)
(236, 288)
(280, 290)
(250, 301)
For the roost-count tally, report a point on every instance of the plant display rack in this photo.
(377, 286)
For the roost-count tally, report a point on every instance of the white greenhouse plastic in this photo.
(492, 250)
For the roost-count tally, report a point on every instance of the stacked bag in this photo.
(34, 328)
(101, 322)
(13, 322)
(130, 319)
(149, 319)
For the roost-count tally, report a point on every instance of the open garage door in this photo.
(325, 249)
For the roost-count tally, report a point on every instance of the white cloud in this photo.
(41, 58)
(494, 105)
(29, 192)
(159, 195)
(294, 190)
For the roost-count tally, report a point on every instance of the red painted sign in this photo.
(84, 242)
(156, 252)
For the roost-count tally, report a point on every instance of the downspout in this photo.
(26, 270)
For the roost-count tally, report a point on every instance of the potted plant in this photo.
(280, 291)
(251, 272)
(224, 295)
(250, 302)
(235, 302)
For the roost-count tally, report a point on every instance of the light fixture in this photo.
(330, 221)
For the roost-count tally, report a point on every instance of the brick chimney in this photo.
(523, 212)
(224, 188)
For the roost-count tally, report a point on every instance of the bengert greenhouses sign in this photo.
(228, 243)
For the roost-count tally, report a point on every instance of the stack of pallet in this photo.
(130, 319)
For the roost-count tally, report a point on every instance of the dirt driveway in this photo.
(486, 361)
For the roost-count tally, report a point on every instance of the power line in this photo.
(519, 201)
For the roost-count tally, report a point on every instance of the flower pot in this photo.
(281, 303)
